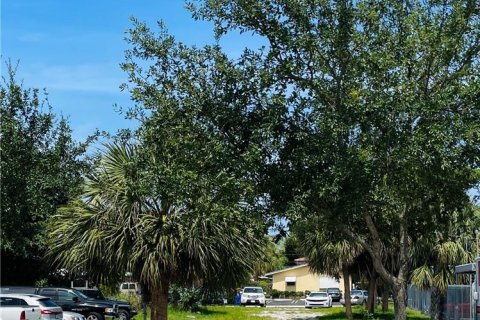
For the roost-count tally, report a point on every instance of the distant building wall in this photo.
(300, 278)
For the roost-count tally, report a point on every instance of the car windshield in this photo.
(94, 294)
(253, 290)
(47, 302)
(318, 294)
(335, 290)
(80, 294)
(357, 292)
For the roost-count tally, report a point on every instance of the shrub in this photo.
(41, 283)
(187, 299)
(275, 294)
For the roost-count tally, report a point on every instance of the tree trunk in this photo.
(436, 304)
(346, 292)
(159, 303)
(399, 300)
(372, 292)
(385, 296)
(397, 283)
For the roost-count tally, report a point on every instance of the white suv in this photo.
(253, 295)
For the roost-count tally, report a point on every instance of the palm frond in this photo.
(422, 277)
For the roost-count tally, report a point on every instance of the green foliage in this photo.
(292, 249)
(380, 134)
(275, 294)
(187, 299)
(42, 168)
(288, 294)
(272, 259)
(111, 290)
(121, 223)
(41, 283)
(434, 258)
(228, 313)
(368, 316)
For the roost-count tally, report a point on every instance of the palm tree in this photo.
(327, 253)
(119, 224)
(437, 255)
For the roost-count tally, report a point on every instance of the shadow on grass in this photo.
(207, 312)
(361, 314)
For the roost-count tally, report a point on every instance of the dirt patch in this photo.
(288, 315)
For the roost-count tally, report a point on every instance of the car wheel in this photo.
(306, 307)
(94, 316)
(263, 305)
(123, 315)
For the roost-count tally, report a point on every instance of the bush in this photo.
(187, 299)
(368, 316)
(41, 283)
(134, 299)
(212, 297)
(275, 294)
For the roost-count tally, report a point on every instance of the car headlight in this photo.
(109, 310)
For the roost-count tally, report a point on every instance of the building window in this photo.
(290, 283)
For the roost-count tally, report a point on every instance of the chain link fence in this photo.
(419, 299)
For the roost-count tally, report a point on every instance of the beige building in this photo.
(301, 278)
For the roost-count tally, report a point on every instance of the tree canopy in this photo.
(380, 133)
(362, 115)
(41, 169)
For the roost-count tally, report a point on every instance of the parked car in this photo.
(335, 293)
(357, 297)
(49, 310)
(68, 315)
(13, 307)
(74, 300)
(253, 295)
(130, 288)
(125, 310)
(92, 293)
(318, 299)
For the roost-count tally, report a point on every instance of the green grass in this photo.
(256, 313)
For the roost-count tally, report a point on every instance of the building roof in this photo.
(301, 260)
(286, 269)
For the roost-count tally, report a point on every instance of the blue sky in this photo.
(73, 49)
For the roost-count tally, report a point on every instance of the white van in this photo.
(130, 288)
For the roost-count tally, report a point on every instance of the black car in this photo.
(75, 301)
(125, 310)
(335, 293)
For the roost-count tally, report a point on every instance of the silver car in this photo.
(48, 308)
(357, 297)
(67, 315)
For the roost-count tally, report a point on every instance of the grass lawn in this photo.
(255, 313)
